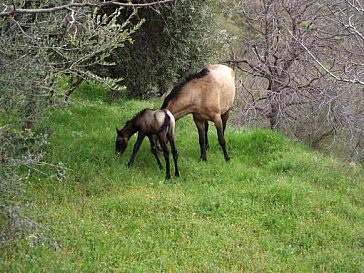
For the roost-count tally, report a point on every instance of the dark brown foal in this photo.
(155, 124)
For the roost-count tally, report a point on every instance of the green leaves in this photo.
(176, 41)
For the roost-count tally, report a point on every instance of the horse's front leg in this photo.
(200, 124)
(136, 148)
(174, 153)
(153, 145)
(206, 132)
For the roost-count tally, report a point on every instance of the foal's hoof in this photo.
(227, 159)
(176, 174)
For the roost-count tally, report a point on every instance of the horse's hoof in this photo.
(168, 176)
(227, 159)
(177, 174)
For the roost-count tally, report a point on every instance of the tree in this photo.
(174, 41)
(80, 37)
(39, 41)
(300, 74)
(346, 21)
(273, 54)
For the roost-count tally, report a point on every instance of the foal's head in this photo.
(122, 137)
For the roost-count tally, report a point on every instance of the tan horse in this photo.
(208, 96)
(155, 124)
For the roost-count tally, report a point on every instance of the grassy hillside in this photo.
(276, 207)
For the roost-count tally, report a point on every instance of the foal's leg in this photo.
(200, 124)
(136, 147)
(162, 141)
(153, 146)
(174, 153)
(220, 135)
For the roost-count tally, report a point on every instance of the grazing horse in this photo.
(209, 96)
(155, 124)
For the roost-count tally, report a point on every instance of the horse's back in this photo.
(222, 70)
(223, 83)
(206, 94)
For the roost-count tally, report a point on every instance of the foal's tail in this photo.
(165, 124)
(169, 122)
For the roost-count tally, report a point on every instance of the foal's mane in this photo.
(177, 89)
(131, 121)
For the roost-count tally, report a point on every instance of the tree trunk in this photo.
(273, 116)
(274, 102)
(72, 88)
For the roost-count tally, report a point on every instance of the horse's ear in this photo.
(118, 131)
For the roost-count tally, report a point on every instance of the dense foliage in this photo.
(35, 50)
(175, 40)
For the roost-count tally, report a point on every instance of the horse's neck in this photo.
(180, 109)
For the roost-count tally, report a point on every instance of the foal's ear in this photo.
(118, 131)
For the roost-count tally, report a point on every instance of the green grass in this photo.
(276, 207)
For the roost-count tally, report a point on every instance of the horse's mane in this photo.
(177, 89)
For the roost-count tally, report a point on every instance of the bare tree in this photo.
(274, 55)
(302, 70)
(344, 24)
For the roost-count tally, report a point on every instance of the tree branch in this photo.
(12, 10)
(353, 81)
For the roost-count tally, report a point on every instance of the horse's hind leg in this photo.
(174, 153)
(224, 118)
(200, 124)
(162, 141)
(153, 146)
(220, 134)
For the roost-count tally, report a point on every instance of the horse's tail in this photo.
(167, 120)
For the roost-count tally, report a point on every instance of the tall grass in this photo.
(276, 207)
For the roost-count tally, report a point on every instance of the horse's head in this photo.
(121, 141)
